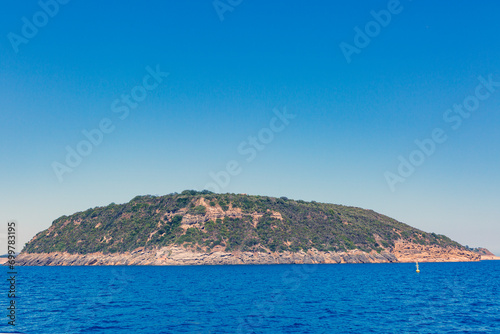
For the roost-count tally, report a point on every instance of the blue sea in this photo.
(348, 298)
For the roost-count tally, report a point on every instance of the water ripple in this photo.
(385, 298)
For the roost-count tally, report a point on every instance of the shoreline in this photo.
(177, 255)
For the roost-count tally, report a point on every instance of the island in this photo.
(204, 228)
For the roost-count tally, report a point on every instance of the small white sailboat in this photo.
(418, 270)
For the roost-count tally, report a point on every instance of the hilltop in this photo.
(206, 228)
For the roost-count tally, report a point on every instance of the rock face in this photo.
(178, 255)
(411, 252)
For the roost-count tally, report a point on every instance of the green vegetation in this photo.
(253, 223)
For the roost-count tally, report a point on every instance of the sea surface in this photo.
(348, 298)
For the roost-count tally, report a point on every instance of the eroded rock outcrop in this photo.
(176, 255)
(411, 252)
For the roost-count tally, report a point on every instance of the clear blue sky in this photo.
(352, 119)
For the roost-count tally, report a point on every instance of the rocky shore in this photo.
(410, 252)
(177, 255)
